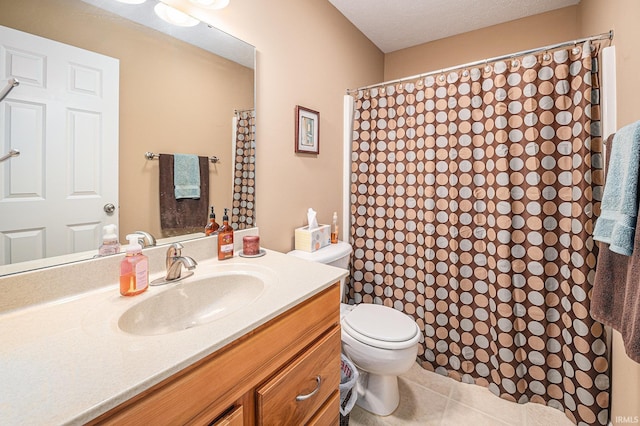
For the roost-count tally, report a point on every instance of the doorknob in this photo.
(109, 208)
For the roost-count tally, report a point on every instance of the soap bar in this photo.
(251, 245)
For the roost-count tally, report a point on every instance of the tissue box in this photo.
(313, 240)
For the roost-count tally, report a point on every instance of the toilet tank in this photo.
(337, 255)
(334, 254)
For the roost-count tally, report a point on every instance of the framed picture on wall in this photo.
(307, 130)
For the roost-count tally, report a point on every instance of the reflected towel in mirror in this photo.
(186, 214)
(186, 176)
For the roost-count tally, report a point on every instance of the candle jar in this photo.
(251, 245)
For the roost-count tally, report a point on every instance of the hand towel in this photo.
(615, 298)
(186, 176)
(617, 223)
(184, 215)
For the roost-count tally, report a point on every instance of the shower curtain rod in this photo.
(603, 36)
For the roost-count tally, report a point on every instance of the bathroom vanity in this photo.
(256, 378)
(276, 360)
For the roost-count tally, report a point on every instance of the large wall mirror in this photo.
(177, 90)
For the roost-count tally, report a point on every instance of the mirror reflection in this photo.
(169, 97)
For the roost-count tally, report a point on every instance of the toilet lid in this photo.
(381, 323)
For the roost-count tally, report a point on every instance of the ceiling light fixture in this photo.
(211, 4)
(174, 16)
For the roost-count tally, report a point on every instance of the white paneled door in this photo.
(63, 118)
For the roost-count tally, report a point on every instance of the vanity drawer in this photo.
(313, 377)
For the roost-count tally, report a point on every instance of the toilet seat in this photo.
(381, 327)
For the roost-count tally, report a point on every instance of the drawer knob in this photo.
(313, 392)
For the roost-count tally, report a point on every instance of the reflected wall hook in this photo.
(12, 153)
(8, 88)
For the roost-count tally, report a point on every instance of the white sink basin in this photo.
(196, 301)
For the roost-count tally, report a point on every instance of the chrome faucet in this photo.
(175, 261)
(145, 239)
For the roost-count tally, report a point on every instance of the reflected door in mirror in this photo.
(63, 118)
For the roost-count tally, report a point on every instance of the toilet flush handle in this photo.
(309, 395)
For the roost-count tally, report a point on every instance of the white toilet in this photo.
(381, 341)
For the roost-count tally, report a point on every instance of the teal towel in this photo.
(186, 176)
(616, 225)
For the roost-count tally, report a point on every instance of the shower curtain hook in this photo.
(575, 49)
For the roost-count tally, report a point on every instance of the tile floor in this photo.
(428, 398)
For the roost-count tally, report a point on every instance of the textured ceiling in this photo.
(397, 24)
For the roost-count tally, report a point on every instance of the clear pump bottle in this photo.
(110, 244)
(134, 269)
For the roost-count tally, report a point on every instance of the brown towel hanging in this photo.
(615, 298)
(184, 215)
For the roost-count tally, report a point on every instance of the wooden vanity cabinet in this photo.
(255, 379)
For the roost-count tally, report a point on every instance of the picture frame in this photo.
(307, 139)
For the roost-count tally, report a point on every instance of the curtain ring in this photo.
(575, 49)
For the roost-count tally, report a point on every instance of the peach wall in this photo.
(514, 36)
(596, 16)
(308, 54)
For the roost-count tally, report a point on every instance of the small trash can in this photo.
(348, 394)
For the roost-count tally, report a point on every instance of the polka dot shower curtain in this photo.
(242, 211)
(473, 196)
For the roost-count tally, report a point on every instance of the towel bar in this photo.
(152, 156)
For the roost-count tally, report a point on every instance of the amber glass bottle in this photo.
(334, 229)
(225, 238)
(212, 227)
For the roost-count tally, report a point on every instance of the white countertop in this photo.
(66, 361)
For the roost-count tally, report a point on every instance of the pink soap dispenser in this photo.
(134, 269)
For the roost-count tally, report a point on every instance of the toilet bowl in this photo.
(381, 341)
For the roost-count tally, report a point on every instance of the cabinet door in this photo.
(329, 413)
(293, 395)
(234, 418)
